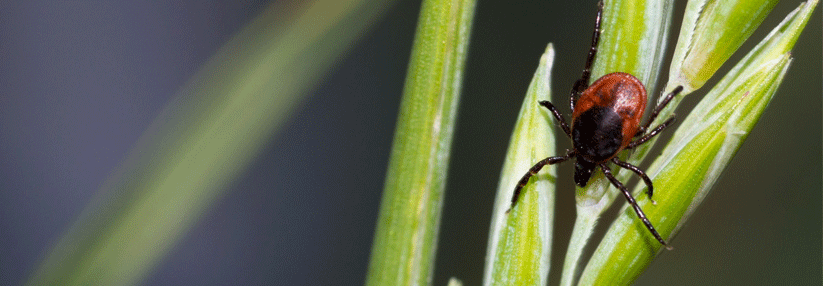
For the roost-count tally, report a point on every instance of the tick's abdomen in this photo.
(613, 104)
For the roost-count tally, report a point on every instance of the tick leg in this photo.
(557, 115)
(654, 132)
(640, 132)
(533, 171)
(581, 84)
(632, 202)
(640, 173)
(662, 105)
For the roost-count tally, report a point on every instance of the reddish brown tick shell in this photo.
(621, 92)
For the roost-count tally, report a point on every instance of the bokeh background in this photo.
(80, 81)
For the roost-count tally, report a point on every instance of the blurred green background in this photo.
(82, 81)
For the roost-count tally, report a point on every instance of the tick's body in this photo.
(608, 111)
(605, 120)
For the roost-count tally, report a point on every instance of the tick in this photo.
(605, 120)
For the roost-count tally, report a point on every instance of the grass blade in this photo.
(710, 33)
(520, 242)
(203, 139)
(405, 239)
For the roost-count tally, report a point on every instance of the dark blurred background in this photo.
(80, 82)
